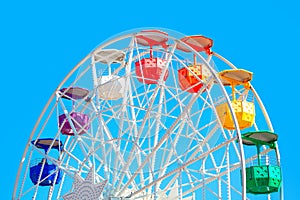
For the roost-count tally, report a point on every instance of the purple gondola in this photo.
(80, 122)
(74, 93)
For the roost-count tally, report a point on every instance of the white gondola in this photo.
(111, 86)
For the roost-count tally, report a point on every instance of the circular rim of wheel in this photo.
(216, 79)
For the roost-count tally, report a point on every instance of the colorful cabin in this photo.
(198, 43)
(74, 123)
(49, 176)
(111, 86)
(74, 93)
(149, 70)
(243, 109)
(262, 178)
(108, 56)
(47, 143)
(192, 77)
(79, 121)
(43, 173)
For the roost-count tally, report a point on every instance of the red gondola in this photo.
(149, 70)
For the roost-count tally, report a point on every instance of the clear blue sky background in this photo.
(41, 41)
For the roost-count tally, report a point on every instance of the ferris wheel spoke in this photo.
(20, 193)
(153, 97)
(70, 154)
(157, 128)
(69, 169)
(222, 174)
(126, 90)
(233, 188)
(120, 156)
(190, 150)
(163, 139)
(117, 151)
(134, 134)
(62, 180)
(70, 148)
(176, 170)
(173, 152)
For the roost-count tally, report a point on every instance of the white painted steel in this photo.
(147, 141)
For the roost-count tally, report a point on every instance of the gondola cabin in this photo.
(42, 172)
(194, 76)
(73, 93)
(244, 110)
(49, 176)
(197, 43)
(149, 70)
(111, 85)
(262, 178)
(74, 122)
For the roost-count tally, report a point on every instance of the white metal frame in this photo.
(148, 186)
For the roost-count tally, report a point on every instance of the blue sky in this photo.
(41, 42)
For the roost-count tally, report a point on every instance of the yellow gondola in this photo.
(244, 110)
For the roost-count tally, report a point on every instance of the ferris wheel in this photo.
(152, 114)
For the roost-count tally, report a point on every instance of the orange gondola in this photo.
(193, 77)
